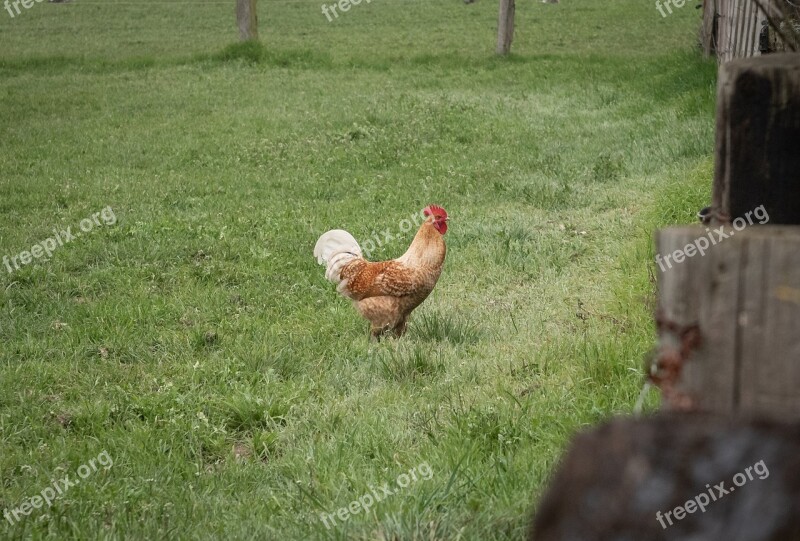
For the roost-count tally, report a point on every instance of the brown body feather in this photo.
(386, 292)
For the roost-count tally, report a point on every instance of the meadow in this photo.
(195, 341)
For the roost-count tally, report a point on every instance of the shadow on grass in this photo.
(250, 53)
(255, 52)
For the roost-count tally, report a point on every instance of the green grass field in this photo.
(196, 341)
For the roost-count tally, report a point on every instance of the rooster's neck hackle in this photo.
(427, 248)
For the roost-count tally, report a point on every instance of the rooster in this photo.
(386, 292)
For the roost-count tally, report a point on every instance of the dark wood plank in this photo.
(758, 129)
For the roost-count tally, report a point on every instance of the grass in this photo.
(196, 341)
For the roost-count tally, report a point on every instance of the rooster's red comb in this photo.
(434, 210)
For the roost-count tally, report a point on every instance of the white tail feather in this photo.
(335, 249)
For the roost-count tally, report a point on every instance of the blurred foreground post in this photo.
(656, 478)
(246, 19)
(505, 27)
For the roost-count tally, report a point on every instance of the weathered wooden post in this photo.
(732, 28)
(505, 27)
(758, 138)
(729, 294)
(708, 32)
(632, 479)
(247, 20)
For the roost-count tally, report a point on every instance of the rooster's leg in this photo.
(400, 329)
(378, 332)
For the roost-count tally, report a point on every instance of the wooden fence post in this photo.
(732, 28)
(708, 32)
(247, 20)
(623, 479)
(758, 131)
(505, 27)
(728, 320)
(729, 294)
